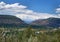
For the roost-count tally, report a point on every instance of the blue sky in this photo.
(44, 6)
(30, 10)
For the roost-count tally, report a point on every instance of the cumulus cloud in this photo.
(11, 8)
(58, 10)
(22, 12)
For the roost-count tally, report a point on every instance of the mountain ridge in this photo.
(11, 21)
(49, 22)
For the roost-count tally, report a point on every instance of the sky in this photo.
(30, 10)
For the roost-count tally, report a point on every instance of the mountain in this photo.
(49, 22)
(13, 21)
(10, 21)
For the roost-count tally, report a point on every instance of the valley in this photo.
(13, 29)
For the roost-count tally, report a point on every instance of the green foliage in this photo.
(28, 35)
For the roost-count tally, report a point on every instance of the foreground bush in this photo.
(28, 35)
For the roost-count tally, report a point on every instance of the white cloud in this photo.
(15, 5)
(11, 8)
(33, 17)
(22, 12)
(58, 10)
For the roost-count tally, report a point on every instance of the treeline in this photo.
(28, 35)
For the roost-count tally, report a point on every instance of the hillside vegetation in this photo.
(29, 35)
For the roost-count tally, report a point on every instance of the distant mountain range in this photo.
(49, 22)
(13, 21)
